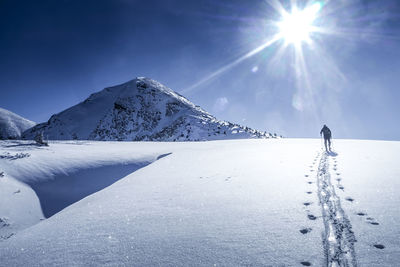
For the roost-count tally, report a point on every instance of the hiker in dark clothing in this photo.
(327, 136)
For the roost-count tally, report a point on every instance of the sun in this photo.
(296, 27)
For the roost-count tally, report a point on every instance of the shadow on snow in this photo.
(66, 189)
(332, 153)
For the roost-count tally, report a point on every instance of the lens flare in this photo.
(295, 36)
(294, 28)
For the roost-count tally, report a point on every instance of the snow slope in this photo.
(59, 176)
(274, 202)
(141, 109)
(12, 125)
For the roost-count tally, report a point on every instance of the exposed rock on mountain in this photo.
(139, 110)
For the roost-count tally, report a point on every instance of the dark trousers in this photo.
(327, 142)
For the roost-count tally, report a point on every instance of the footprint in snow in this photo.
(338, 179)
(4, 222)
(5, 237)
(305, 263)
(341, 187)
(349, 199)
(338, 173)
(311, 217)
(372, 221)
(307, 204)
(309, 182)
(309, 192)
(306, 175)
(18, 191)
(305, 230)
(380, 246)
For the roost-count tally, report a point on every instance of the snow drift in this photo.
(141, 109)
(39, 181)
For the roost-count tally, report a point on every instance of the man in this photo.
(327, 136)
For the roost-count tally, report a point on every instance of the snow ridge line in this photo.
(338, 238)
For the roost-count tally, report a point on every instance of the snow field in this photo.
(223, 203)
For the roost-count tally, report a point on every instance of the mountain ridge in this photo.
(141, 109)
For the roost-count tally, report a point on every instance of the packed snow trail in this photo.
(338, 237)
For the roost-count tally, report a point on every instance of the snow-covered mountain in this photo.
(141, 109)
(12, 125)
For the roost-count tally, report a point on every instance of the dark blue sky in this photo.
(55, 53)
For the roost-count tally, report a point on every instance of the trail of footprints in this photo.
(342, 252)
(369, 220)
(307, 204)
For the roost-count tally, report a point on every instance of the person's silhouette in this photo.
(327, 136)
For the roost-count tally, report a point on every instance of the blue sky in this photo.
(55, 53)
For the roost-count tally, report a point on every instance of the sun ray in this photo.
(232, 64)
(278, 55)
(311, 74)
(277, 6)
(305, 17)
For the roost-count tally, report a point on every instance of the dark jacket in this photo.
(326, 131)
